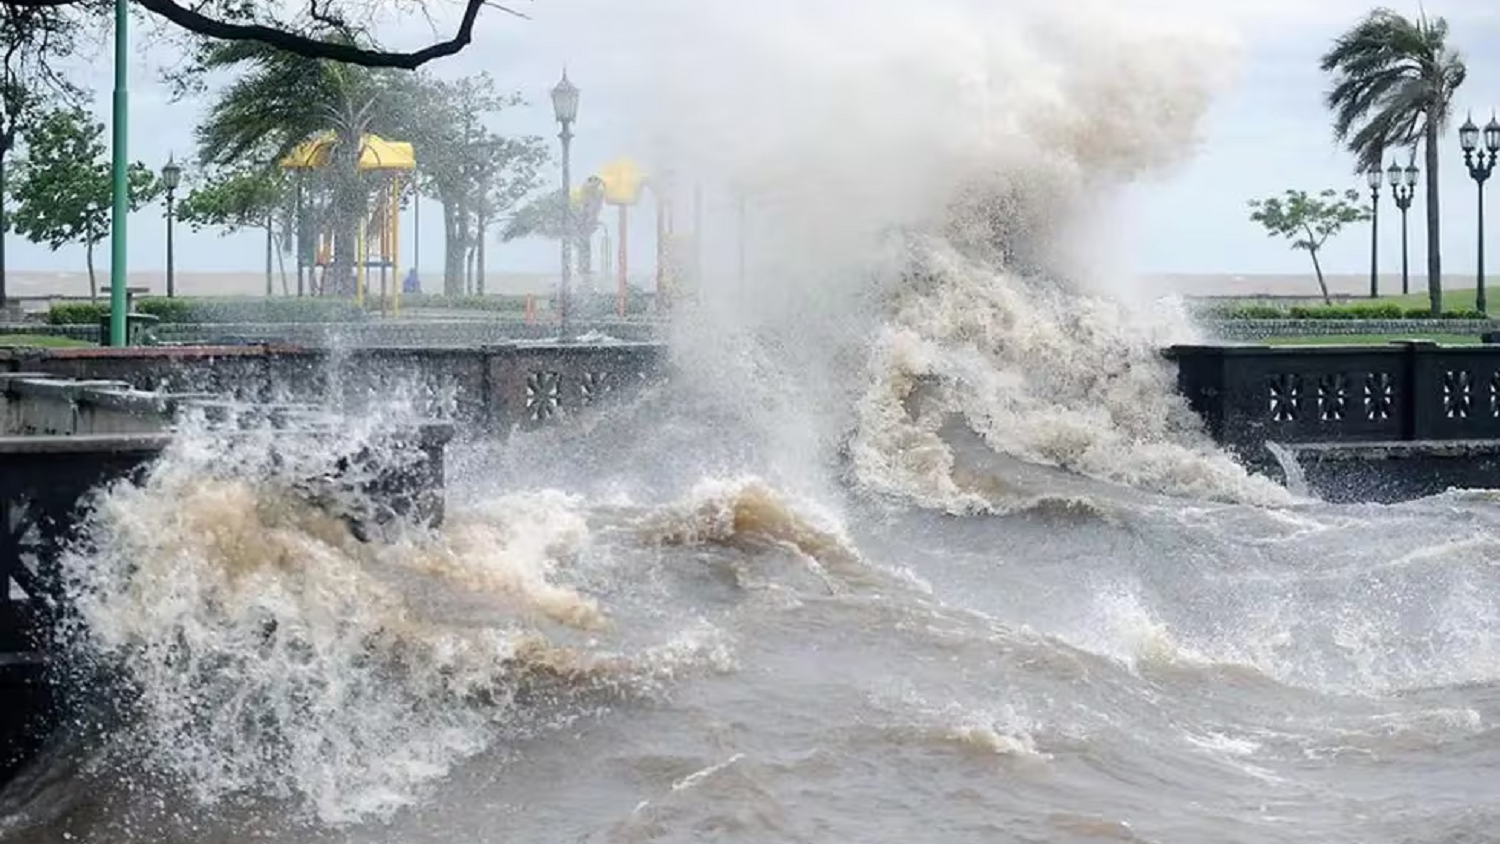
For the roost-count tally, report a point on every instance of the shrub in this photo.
(76, 313)
(1256, 312)
(219, 311)
(1359, 310)
(1370, 310)
(216, 310)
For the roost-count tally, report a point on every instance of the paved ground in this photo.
(23, 284)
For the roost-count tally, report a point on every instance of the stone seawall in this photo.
(491, 390)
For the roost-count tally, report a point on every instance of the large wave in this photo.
(927, 191)
(922, 247)
(261, 650)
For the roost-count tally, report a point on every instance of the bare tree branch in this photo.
(284, 39)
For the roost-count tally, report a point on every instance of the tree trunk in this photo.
(348, 209)
(88, 256)
(340, 279)
(455, 245)
(479, 255)
(281, 259)
(4, 222)
(1322, 283)
(1434, 235)
(270, 248)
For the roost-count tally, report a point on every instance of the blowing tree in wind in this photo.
(1393, 84)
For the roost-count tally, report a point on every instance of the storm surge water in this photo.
(917, 543)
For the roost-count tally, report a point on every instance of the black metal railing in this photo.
(1410, 390)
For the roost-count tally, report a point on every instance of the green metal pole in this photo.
(121, 196)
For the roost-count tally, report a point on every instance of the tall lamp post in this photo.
(1403, 187)
(1373, 176)
(171, 177)
(565, 107)
(1480, 166)
(119, 177)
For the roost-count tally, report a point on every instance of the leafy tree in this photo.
(320, 29)
(1393, 85)
(1309, 221)
(63, 190)
(233, 199)
(34, 40)
(476, 174)
(282, 100)
(279, 100)
(510, 171)
(546, 217)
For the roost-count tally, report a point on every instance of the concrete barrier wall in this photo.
(491, 389)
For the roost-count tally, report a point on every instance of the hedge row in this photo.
(1356, 311)
(215, 311)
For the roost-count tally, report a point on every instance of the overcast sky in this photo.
(1265, 129)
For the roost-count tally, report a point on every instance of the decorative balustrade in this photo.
(491, 390)
(1288, 394)
(1362, 422)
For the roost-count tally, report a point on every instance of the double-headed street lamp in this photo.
(565, 107)
(1373, 176)
(1403, 187)
(171, 177)
(1480, 166)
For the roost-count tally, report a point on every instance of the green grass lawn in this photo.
(1457, 299)
(1372, 339)
(41, 340)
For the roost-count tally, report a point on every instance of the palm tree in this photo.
(1393, 86)
(545, 217)
(282, 100)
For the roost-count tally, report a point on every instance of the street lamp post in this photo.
(1480, 166)
(171, 177)
(1373, 176)
(119, 171)
(565, 108)
(1403, 187)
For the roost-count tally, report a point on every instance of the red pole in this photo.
(624, 252)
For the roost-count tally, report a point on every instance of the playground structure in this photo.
(377, 243)
(621, 183)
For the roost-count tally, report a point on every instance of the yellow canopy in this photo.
(623, 179)
(376, 153)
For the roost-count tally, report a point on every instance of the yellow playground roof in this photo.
(623, 179)
(376, 153)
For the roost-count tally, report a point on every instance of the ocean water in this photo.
(678, 655)
(918, 543)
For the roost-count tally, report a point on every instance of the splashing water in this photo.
(272, 653)
(1129, 637)
(922, 207)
